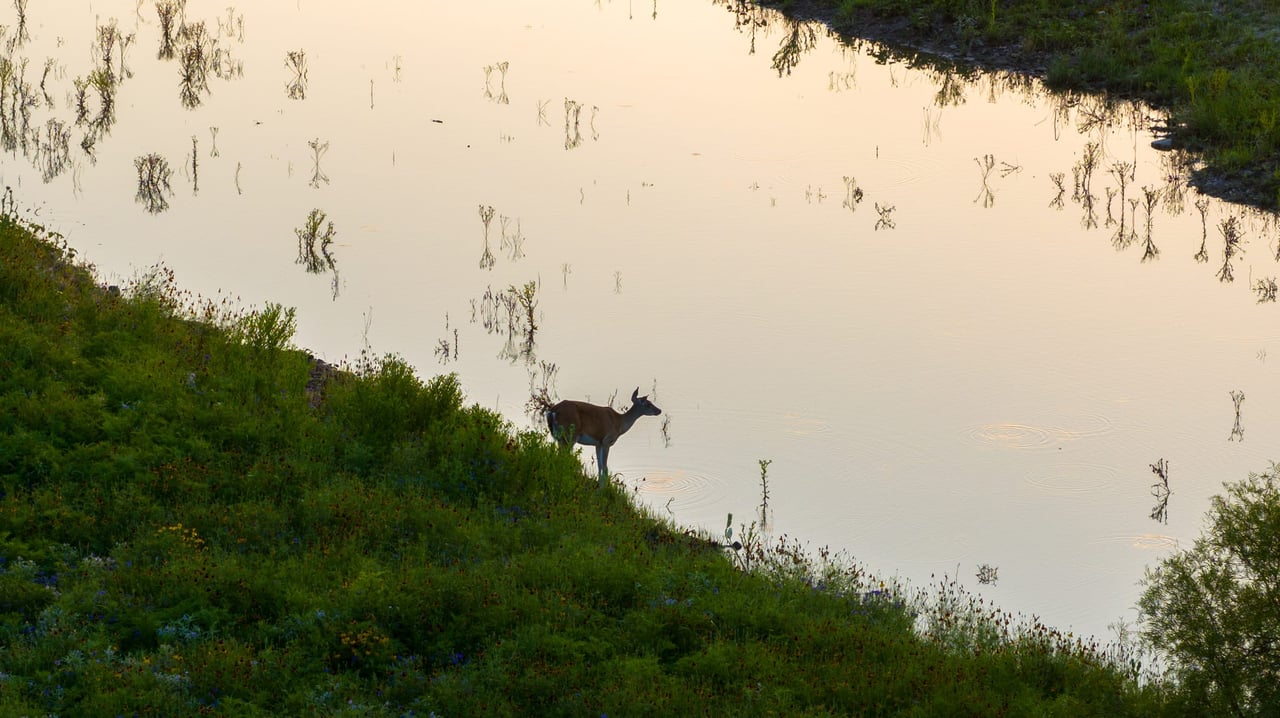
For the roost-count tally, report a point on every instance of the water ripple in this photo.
(1146, 542)
(691, 489)
(1078, 479)
(1012, 435)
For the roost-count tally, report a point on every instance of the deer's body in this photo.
(578, 422)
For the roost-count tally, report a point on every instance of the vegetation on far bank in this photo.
(1212, 65)
(196, 518)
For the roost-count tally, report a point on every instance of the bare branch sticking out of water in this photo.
(852, 194)
(1083, 170)
(932, 128)
(1150, 197)
(572, 118)
(1232, 236)
(542, 391)
(988, 574)
(168, 11)
(54, 153)
(195, 165)
(318, 149)
(1266, 289)
(316, 230)
(1237, 431)
(512, 240)
(886, 217)
(500, 95)
(153, 182)
(296, 61)
(1160, 490)
(20, 33)
(447, 350)
(487, 260)
(764, 490)
(1057, 178)
(196, 55)
(986, 164)
(1202, 205)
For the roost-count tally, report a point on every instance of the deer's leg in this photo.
(602, 458)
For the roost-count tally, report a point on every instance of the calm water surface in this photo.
(888, 282)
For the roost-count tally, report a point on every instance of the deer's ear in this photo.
(635, 395)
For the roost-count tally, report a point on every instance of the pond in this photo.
(961, 324)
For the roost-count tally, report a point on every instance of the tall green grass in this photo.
(195, 520)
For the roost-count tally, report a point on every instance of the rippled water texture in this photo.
(961, 317)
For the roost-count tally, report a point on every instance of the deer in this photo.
(578, 422)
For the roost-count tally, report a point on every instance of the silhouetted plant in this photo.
(500, 95)
(318, 150)
(764, 489)
(168, 12)
(986, 164)
(572, 118)
(1150, 197)
(1202, 205)
(852, 194)
(885, 221)
(487, 260)
(799, 37)
(1237, 431)
(1160, 491)
(1232, 237)
(153, 182)
(988, 574)
(1057, 179)
(296, 61)
(195, 54)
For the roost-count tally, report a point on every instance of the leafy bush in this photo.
(1214, 609)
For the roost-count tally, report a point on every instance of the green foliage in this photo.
(197, 518)
(1214, 609)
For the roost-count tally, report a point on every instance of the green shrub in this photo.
(1214, 608)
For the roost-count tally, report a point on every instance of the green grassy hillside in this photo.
(196, 518)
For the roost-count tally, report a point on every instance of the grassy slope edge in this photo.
(1213, 65)
(186, 527)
